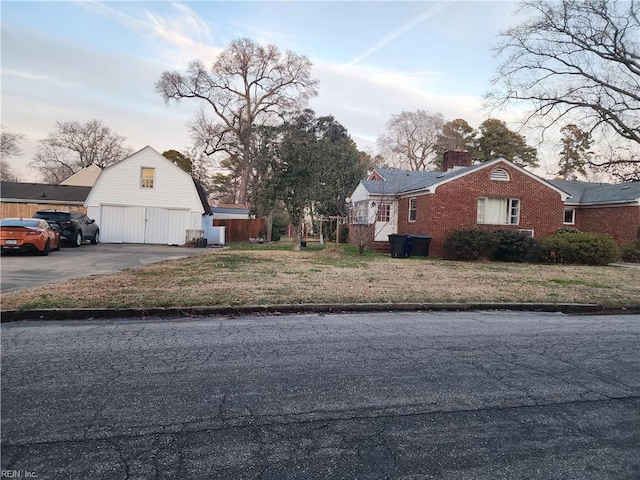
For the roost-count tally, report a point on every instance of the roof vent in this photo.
(500, 174)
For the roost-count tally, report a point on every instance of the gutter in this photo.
(41, 201)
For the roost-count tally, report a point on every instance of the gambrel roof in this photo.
(162, 161)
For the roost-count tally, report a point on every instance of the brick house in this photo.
(492, 195)
(613, 209)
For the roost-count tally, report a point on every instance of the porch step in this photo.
(382, 247)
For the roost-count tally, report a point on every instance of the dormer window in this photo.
(500, 175)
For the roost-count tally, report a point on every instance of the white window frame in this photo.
(360, 212)
(147, 181)
(413, 209)
(573, 216)
(386, 217)
(512, 213)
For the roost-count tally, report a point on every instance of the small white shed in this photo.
(145, 198)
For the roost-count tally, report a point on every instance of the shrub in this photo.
(631, 253)
(513, 246)
(576, 247)
(470, 244)
(278, 228)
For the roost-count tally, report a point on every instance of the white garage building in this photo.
(145, 198)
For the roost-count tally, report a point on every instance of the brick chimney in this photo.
(456, 158)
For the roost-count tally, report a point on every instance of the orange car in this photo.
(28, 234)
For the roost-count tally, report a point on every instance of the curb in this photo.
(290, 309)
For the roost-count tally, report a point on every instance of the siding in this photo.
(120, 184)
(128, 213)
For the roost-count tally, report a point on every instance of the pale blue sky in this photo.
(64, 61)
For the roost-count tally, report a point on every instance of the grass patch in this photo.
(46, 301)
(572, 282)
(233, 262)
(330, 274)
(568, 282)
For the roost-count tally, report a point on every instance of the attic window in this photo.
(500, 174)
(147, 176)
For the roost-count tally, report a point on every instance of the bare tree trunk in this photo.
(297, 238)
(243, 188)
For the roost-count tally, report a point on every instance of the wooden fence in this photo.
(26, 210)
(241, 230)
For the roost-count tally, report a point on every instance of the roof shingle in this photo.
(40, 192)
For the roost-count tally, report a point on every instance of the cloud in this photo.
(364, 98)
(23, 74)
(184, 35)
(395, 34)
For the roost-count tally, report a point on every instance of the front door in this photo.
(386, 221)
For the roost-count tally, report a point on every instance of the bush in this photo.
(278, 228)
(631, 253)
(513, 246)
(576, 247)
(471, 244)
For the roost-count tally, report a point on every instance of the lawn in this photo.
(268, 275)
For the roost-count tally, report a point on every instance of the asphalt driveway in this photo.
(20, 271)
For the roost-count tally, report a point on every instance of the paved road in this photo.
(20, 271)
(410, 396)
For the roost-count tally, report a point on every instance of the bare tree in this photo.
(73, 146)
(411, 139)
(575, 61)
(9, 147)
(619, 163)
(247, 85)
(10, 143)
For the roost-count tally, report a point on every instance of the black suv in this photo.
(74, 226)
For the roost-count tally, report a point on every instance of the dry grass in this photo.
(331, 275)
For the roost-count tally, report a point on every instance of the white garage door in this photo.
(143, 225)
(166, 226)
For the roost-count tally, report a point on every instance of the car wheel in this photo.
(96, 238)
(77, 241)
(57, 246)
(45, 250)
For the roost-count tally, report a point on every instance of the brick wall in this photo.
(622, 222)
(454, 206)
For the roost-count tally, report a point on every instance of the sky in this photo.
(84, 60)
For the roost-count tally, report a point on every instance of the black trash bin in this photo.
(399, 245)
(420, 245)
